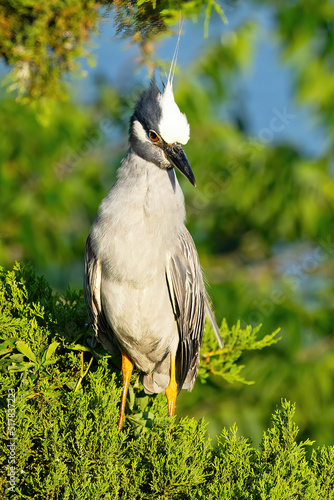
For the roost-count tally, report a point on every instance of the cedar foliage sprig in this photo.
(67, 442)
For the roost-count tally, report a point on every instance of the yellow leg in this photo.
(127, 367)
(171, 390)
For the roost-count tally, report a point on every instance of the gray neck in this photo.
(142, 185)
(155, 188)
(140, 219)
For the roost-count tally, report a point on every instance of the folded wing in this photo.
(190, 305)
(92, 293)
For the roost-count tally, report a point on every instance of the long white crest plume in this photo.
(173, 125)
(175, 56)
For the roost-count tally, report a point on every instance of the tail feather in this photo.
(209, 314)
(157, 380)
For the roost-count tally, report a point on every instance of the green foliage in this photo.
(267, 193)
(262, 219)
(237, 340)
(47, 165)
(262, 215)
(145, 20)
(67, 445)
(280, 469)
(35, 327)
(311, 58)
(42, 43)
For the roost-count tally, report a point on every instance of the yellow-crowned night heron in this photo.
(143, 282)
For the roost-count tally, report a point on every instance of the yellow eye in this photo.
(153, 136)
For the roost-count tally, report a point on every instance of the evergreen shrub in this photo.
(67, 445)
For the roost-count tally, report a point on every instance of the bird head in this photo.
(158, 130)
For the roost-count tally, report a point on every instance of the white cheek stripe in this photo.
(140, 132)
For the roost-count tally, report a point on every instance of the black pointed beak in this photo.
(177, 157)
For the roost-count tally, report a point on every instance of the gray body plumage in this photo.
(143, 282)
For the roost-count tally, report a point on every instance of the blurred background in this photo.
(258, 92)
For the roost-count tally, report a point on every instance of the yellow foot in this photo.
(127, 367)
(171, 390)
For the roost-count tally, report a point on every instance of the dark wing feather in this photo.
(92, 294)
(190, 306)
